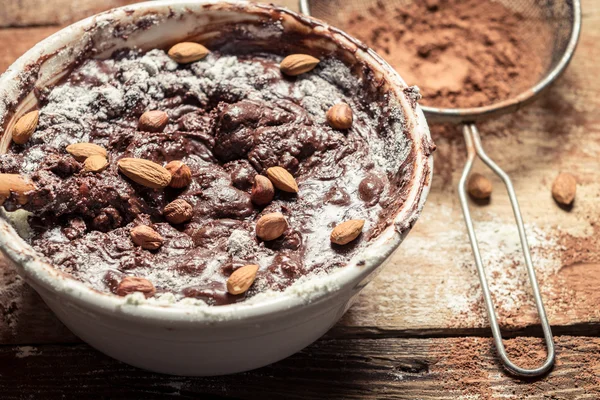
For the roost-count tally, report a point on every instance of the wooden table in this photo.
(419, 330)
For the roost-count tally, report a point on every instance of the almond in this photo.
(81, 151)
(241, 279)
(296, 64)
(262, 191)
(347, 231)
(282, 179)
(153, 121)
(564, 188)
(145, 172)
(181, 176)
(132, 284)
(178, 211)
(146, 237)
(271, 226)
(479, 186)
(25, 127)
(187, 52)
(340, 116)
(95, 163)
(17, 184)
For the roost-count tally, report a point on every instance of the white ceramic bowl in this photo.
(182, 338)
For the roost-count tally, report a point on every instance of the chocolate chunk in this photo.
(108, 219)
(242, 174)
(370, 189)
(75, 229)
(230, 118)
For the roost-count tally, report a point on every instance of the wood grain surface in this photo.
(451, 368)
(30, 13)
(398, 340)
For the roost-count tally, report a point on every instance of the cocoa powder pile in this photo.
(461, 53)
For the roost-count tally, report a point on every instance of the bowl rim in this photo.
(51, 281)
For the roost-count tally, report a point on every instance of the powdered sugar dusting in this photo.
(503, 261)
(239, 244)
(27, 351)
(213, 105)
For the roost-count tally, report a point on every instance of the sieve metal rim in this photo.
(473, 114)
(460, 115)
(468, 117)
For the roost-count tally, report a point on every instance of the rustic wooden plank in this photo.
(18, 20)
(457, 368)
(430, 287)
(27, 13)
(16, 41)
(56, 12)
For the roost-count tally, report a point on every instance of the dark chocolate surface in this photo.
(231, 117)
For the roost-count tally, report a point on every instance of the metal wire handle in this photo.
(474, 148)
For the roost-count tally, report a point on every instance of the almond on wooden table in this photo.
(282, 179)
(81, 151)
(564, 188)
(146, 237)
(25, 126)
(178, 211)
(479, 186)
(95, 163)
(241, 279)
(262, 191)
(187, 52)
(181, 176)
(153, 121)
(347, 231)
(132, 284)
(145, 172)
(296, 64)
(271, 226)
(17, 184)
(340, 116)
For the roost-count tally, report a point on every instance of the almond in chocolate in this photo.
(177, 209)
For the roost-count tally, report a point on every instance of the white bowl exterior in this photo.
(211, 350)
(190, 339)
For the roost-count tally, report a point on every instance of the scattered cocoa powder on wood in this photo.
(461, 53)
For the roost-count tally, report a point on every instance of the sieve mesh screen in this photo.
(548, 25)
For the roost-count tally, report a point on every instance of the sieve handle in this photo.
(474, 149)
(304, 9)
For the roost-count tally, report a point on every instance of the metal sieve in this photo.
(563, 17)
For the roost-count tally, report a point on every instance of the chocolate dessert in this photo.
(206, 174)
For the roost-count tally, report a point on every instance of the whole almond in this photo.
(95, 163)
(146, 237)
(178, 211)
(181, 176)
(479, 186)
(296, 64)
(81, 151)
(262, 191)
(132, 284)
(564, 188)
(187, 52)
(25, 127)
(282, 179)
(145, 172)
(347, 231)
(241, 279)
(153, 121)
(17, 185)
(340, 116)
(271, 226)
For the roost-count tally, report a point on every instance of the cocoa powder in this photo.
(460, 53)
